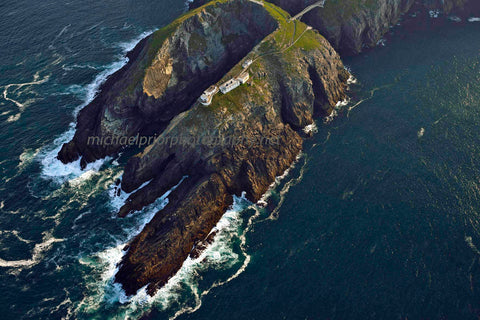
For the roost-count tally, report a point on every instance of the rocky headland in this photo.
(350, 26)
(296, 76)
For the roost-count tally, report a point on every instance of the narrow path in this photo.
(320, 4)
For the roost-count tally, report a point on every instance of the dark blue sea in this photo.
(379, 218)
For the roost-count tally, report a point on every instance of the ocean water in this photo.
(377, 219)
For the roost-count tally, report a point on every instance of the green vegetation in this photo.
(278, 46)
(289, 34)
(232, 101)
(158, 38)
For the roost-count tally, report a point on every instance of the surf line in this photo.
(253, 220)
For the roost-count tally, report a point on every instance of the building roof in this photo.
(244, 76)
(247, 63)
(211, 90)
(229, 83)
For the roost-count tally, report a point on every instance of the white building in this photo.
(229, 85)
(247, 63)
(243, 77)
(207, 96)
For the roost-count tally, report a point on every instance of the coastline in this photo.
(135, 53)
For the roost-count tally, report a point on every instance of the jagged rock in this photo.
(296, 75)
(292, 82)
(166, 73)
(351, 25)
(289, 86)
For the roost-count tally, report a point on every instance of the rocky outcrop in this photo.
(245, 138)
(166, 73)
(351, 25)
(293, 79)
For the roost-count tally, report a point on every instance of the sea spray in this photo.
(52, 168)
(104, 294)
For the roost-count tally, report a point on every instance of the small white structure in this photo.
(229, 85)
(243, 77)
(207, 96)
(247, 63)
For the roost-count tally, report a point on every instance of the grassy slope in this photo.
(158, 38)
(278, 44)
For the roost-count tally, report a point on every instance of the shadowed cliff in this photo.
(296, 75)
(351, 25)
(166, 73)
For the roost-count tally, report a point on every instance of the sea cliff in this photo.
(296, 76)
(351, 26)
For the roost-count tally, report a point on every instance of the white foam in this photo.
(37, 254)
(85, 176)
(182, 290)
(286, 188)
(470, 243)
(263, 200)
(382, 42)
(342, 103)
(473, 19)
(311, 128)
(421, 132)
(352, 79)
(454, 18)
(434, 13)
(22, 106)
(129, 45)
(218, 255)
(80, 66)
(16, 233)
(14, 117)
(105, 263)
(26, 157)
(117, 201)
(54, 168)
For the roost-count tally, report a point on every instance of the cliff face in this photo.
(350, 25)
(246, 137)
(295, 76)
(166, 74)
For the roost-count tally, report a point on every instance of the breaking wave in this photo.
(52, 168)
(184, 292)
